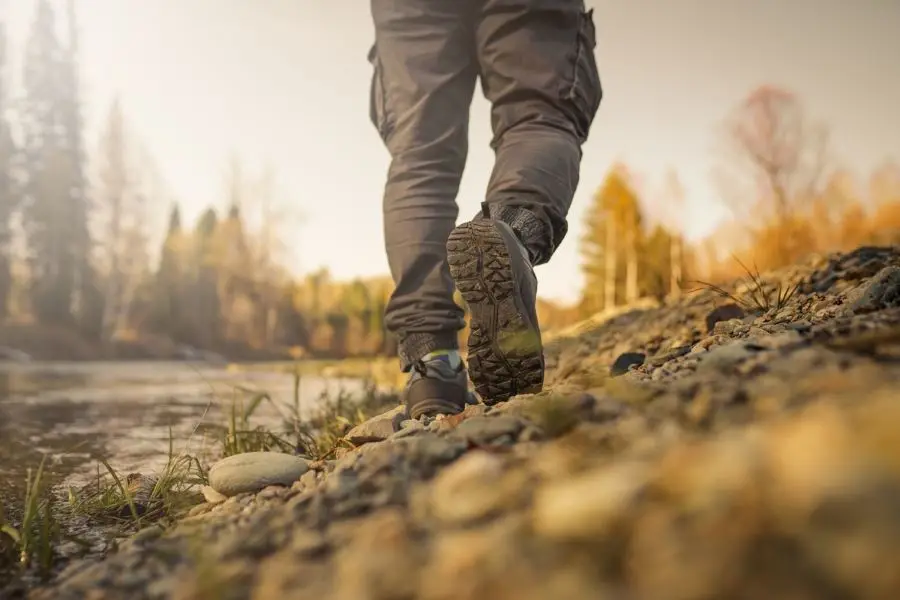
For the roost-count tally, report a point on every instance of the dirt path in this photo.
(741, 456)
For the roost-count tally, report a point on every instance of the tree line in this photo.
(75, 240)
(43, 189)
(626, 257)
(788, 196)
(78, 257)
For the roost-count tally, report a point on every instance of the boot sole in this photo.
(505, 352)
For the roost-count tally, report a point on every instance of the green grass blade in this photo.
(125, 493)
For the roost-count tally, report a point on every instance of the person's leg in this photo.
(424, 78)
(538, 70)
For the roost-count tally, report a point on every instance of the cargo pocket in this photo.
(378, 112)
(585, 91)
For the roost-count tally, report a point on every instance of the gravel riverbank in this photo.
(697, 450)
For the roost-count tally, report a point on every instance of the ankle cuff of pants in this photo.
(535, 235)
(416, 345)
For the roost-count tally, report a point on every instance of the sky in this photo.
(286, 82)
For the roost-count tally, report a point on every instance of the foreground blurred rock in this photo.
(751, 455)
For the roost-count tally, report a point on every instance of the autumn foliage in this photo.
(788, 199)
(789, 196)
(82, 266)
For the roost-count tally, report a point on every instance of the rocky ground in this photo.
(699, 450)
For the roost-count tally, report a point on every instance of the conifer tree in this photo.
(8, 189)
(55, 211)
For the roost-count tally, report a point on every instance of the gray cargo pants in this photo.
(535, 60)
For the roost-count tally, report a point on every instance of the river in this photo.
(77, 413)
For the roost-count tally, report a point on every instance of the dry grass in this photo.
(315, 436)
(758, 297)
(134, 501)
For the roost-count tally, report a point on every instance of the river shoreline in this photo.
(49, 400)
(28, 342)
(704, 448)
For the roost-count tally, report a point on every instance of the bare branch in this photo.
(777, 150)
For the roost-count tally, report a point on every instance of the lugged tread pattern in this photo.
(480, 266)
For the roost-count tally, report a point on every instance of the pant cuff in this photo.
(416, 345)
(536, 235)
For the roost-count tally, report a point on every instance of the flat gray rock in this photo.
(377, 428)
(253, 471)
(484, 430)
(881, 291)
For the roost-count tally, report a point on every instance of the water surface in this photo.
(77, 413)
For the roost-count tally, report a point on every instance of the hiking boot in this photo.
(493, 272)
(437, 386)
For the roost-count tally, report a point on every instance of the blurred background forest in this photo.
(82, 275)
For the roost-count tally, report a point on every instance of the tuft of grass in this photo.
(240, 436)
(316, 435)
(136, 500)
(33, 540)
(757, 298)
(336, 415)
